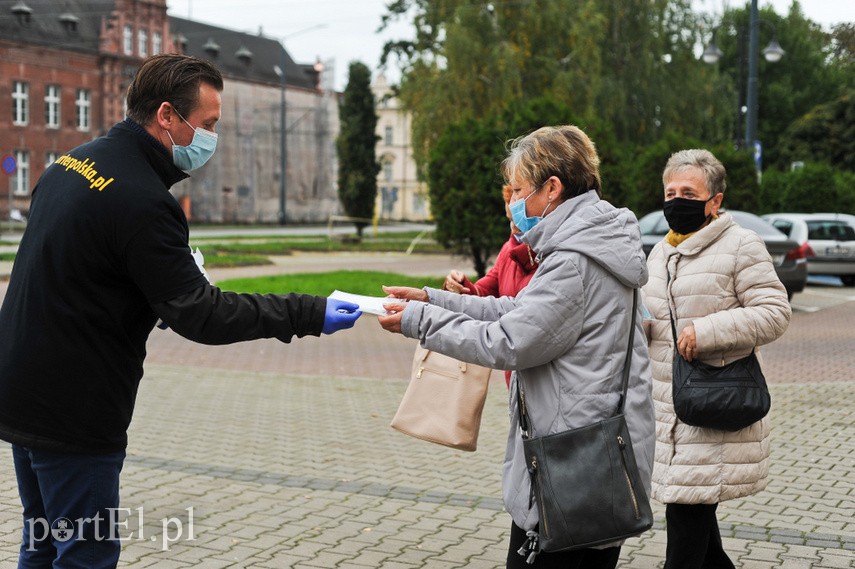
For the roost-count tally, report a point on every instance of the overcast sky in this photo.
(345, 30)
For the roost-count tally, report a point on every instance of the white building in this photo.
(400, 195)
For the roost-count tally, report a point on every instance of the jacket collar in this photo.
(702, 238)
(157, 154)
(539, 236)
(522, 255)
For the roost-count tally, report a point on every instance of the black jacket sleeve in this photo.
(209, 315)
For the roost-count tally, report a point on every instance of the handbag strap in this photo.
(673, 318)
(523, 415)
(668, 302)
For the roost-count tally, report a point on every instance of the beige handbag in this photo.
(443, 401)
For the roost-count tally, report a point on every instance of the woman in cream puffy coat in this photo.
(720, 281)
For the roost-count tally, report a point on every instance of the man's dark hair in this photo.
(172, 78)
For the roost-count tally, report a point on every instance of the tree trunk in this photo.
(479, 260)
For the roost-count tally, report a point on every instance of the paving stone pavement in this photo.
(274, 456)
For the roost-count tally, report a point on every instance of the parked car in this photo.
(828, 239)
(787, 256)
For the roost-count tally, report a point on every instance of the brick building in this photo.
(64, 70)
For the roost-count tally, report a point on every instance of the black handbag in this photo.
(585, 481)
(727, 398)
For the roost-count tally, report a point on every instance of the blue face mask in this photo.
(195, 154)
(521, 220)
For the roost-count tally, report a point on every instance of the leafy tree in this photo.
(651, 80)
(743, 189)
(465, 182)
(465, 190)
(808, 74)
(629, 73)
(842, 49)
(628, 64)
(645, 174)
(358, 167)
(825, 134)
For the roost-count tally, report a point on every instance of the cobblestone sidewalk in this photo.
(275, 470)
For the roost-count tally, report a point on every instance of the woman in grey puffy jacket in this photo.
(565, 334)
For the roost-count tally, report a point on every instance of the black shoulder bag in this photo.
(727, 398)
(585, 481)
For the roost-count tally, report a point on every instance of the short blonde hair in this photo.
(698, 159)
(565, 152)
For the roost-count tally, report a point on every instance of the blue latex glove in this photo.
(340, 315)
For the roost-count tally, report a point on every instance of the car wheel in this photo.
(848, 280)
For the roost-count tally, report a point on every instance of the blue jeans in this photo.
(70, 506)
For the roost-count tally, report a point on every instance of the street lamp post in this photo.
(283, 127)
(283, 160)
(772, 52)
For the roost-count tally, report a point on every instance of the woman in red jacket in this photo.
(515, 265)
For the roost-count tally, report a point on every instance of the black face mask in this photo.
(685, 215)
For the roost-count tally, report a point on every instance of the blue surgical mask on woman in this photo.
(195, 154)
(521, 220)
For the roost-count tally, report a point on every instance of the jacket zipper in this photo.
(533, 470)
(622, 445)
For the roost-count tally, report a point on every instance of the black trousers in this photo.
(694, 541)
(579, 559)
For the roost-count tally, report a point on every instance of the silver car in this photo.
(829, 239)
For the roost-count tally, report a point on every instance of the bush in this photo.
(644, 184)
(816, 187)
(742, 189)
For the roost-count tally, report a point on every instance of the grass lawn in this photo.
(246, 250)
(322, 284)
(223, 252)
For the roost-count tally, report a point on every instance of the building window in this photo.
(156, 43)
(142, 43)
(387, 139)
(84, 109)
(50, 158)
(388, 196)
(20, 103)
(387, 171)
(420, 203)
(52, 105)
(21, 177)
(128, 40)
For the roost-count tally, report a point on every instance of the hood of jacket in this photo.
(593, 227)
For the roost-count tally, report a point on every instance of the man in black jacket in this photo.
(105, 254)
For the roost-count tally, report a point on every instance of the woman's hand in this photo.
(453, 282)
(687, 343)
(391, 321)
(406, 293)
